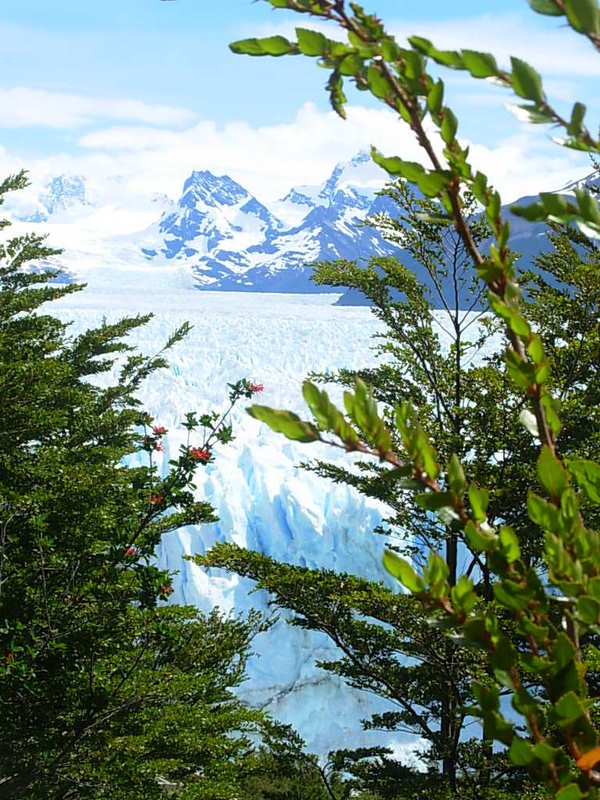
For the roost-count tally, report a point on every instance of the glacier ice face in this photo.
(264, 500)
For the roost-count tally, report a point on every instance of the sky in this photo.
(136, 93)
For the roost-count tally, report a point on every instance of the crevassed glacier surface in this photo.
(264, 501)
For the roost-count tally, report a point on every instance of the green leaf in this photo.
(436, 570)
(411, 170)
(509, 544)
(588, 610)
(463, 594)
(588, 206)
(351, 64)
(430, 183)
(542, 512)
(378, 83)
(400, 568)
(328, 417)
(479, 541)
(311, 43)
(583, 15)
(547, 7)
(480, 65)
(269, 46)
(569, 708)
(533, 212)
(551, 473)
(587, 475)
(285, 422)
(432, 501)
(535, 348)
(546, 753)
(456, 476)
(337, 98)
(508, 598)
(575, 126)
(479, 499)
(449, 58)
(521, 752)
(526, 81)
(488, 696)
(555, 204)
(435, 98)
(563, 651)
(449, 126)
(571, 791)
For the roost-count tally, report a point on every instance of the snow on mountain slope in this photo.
(263, 499)
(217, 233)
(231, 241)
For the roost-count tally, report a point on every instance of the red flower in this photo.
(166, 590)
(131, 552)
(156, 499)
(9, 657)
(159, 446)
(159, 430)
(255, 388)
(200, 454)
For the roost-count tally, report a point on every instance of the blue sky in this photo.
(82, 82)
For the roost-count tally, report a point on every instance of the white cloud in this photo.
(25, 107)
(266, 159)
(269, 159)
(126, 165)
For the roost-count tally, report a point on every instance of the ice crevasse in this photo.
(264, 500)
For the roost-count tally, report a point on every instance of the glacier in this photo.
(263, 499)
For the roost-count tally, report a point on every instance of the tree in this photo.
(537, 628)
(464, 401)
(104, 690)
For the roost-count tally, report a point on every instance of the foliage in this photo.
(539, 631)
(466, 405)
(105, 691)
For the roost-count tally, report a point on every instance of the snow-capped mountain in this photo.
(229, 240)
(63, 193)
(219, 236)
(62, 198)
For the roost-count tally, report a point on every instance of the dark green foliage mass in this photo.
(105, 691)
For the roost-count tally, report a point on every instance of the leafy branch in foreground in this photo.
(554, 614)
(555, 610)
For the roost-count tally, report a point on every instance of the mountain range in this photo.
(224, 238)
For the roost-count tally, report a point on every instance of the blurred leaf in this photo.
(526, 80)
(311, 43)
(403, 571)
(269, 46)
(285, 422)
(480, 65)
(583, 15)
(551, 473)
